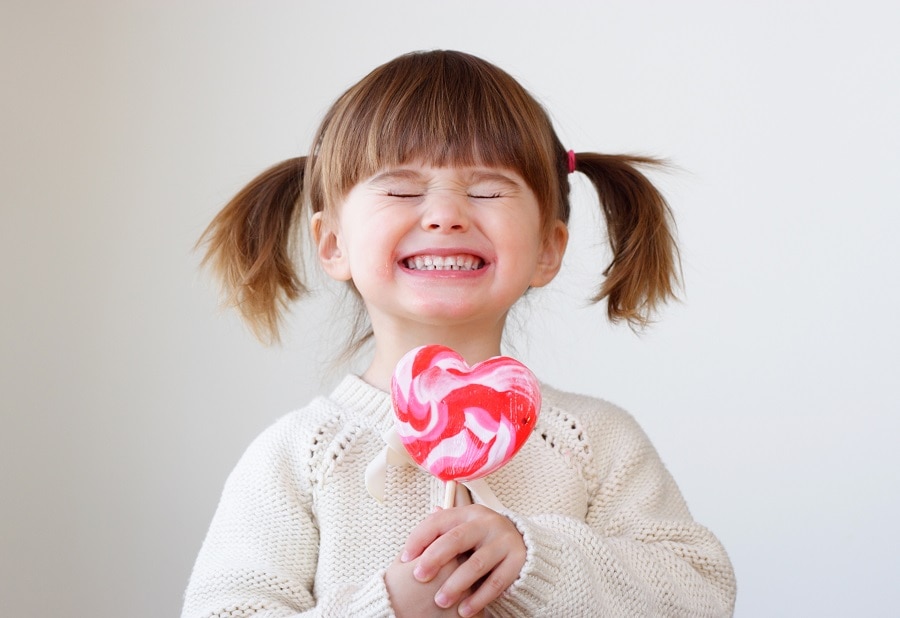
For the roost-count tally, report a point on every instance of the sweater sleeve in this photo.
(260, 554)
(637, 552)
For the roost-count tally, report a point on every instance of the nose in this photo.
(446, 213)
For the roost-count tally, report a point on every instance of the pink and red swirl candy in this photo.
(459, 422)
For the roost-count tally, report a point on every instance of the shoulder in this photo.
(286, 448)
(595, 431)
(320, 416)
(573, 411)
(309, 441)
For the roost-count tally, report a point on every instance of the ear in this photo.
(329, 248)
(550, 259)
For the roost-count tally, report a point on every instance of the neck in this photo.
(474, 344)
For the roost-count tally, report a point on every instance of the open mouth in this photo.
(443, 262)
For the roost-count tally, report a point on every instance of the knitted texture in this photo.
(606, 530)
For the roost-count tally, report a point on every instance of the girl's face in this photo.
(446, 247)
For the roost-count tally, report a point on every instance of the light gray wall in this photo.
(771, 392)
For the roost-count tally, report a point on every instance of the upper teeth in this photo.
(446, 262)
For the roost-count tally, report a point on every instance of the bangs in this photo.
(440, 109)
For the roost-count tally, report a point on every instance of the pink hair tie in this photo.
(571, 154)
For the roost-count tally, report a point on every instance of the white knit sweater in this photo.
(606, 529)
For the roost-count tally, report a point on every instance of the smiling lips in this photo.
(444, 262)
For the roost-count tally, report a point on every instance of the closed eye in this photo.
(485, 196)
(403, 194)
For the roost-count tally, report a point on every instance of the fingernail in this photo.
(404, 557)
(441, 600)
(419, 573)
(465, 611)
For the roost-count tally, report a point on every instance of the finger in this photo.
(497, 559)
(501, 578)
(448, 546)
(423, 534)
(470, 570)
(429, 529)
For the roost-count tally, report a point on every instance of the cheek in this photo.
(371, 259)
(384, 271)
(524, 237)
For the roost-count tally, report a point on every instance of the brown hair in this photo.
(441, 108)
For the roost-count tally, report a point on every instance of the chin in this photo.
(447, 314)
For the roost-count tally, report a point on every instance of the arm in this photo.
(260, 554)
(638, 552)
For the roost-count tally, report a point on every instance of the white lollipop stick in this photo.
(449, 494)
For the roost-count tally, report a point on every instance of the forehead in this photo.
(402, 153)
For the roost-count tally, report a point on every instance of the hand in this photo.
(495, 550)
(414, 599)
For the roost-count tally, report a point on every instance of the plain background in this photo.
(771, 391)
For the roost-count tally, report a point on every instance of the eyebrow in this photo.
(413, 175)
(482, 176)
(392, 175)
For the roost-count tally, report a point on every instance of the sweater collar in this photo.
(372, 403)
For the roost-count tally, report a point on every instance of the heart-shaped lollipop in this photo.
(461, 423)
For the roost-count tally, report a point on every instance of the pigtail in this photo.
(645, 267)
(250, 247)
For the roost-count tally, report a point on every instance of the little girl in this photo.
(437, 189)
